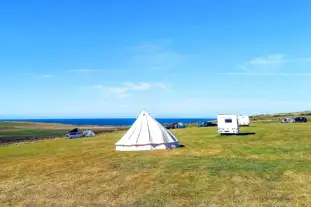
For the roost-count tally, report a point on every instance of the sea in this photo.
(110, 121)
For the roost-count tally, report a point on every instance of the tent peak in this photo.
(144, 112)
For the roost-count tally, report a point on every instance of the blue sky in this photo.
(172, 58)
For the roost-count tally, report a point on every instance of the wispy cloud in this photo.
(42, 75)
(46, 76)
(270, 65)
(84, 70)
(270, 59)
(119, 92)
(138, 87)
(263, 64)
(127, 88)
(161, 85)
(155, 56)
(210, 104)
(266, 74)
(98, 86)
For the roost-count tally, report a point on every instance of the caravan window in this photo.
(228, 120)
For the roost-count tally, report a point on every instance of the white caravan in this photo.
(227, 124)
(243, 120)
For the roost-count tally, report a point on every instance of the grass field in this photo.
(270, 168)
(23, 131)
(280, 116)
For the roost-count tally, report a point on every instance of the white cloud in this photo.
(98, 86)
(264, 64)
(155, 56)
(205, 106)
(83, 70)
(270, 65)
(139, 87)
(161, 85)
(46, 76)
(266, 74)
(270, 59)
(127, 88)
(123, 95)
(42, 75)
(119, 92)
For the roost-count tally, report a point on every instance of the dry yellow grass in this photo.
(271, 168)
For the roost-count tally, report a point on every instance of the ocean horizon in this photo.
(107, 121)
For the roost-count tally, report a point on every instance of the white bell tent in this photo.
(147, 134)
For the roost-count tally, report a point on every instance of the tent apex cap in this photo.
(144, 111)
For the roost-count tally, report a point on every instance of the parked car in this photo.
(75, 133)
(294, 120)
(301, 119)
(288, 120)
(207, 124)
(168, 126)
(175, 125)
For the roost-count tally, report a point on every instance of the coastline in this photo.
(15, 131)
(107, 122)
(23, 130)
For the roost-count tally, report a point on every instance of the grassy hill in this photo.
(270, 168)
(279, 116)
(24, 131)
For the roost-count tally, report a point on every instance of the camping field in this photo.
(27, 131)
(269, 168)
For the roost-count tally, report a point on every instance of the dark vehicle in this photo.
(178, 125)
(206, 124)
(175, 125)
(301, 119)
(168, 126)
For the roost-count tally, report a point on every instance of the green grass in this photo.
(270, 168)
(8, 129)
(280, 116)
(15, 132)
(30, 132)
